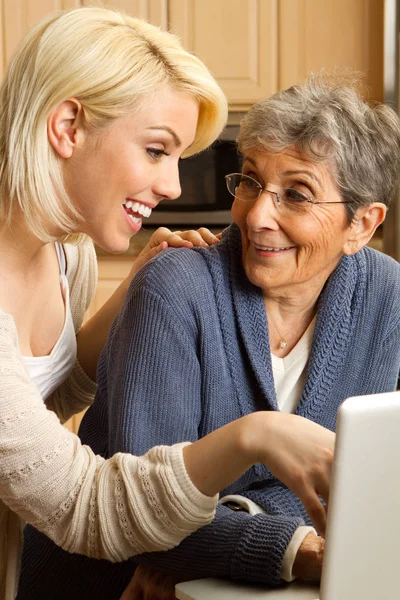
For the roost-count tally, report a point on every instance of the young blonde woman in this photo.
(96, 110)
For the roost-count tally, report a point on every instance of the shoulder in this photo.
(189, 271)
(382, 271)
(82, 277)
(381, 284)
(176, 272)
(80, 258)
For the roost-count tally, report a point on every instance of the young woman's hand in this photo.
(296, 450)
(202, 237)
(299, 452)
(163, 238)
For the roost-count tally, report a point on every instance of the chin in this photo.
(114, 246)
(258, 276)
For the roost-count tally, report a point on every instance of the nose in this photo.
(168, 185)
(263, 213)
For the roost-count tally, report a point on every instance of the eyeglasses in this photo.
(289, 200)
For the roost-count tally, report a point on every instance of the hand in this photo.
(176, 239)
(299, 453)
(309, 558)
(148, 584)
(163, 237)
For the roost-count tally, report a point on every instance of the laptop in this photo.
(362, 551)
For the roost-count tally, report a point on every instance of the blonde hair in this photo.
(109, 62)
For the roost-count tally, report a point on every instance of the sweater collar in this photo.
(242, 303)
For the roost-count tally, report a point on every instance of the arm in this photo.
(92, 507)
(93, 335)
(77, 392)
(81, 501)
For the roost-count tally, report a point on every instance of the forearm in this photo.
(93, 334)
(49, 479)
(220, 458)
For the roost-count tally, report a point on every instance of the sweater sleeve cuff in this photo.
(291, 551)
(191, 496)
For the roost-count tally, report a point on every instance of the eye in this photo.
(248, 183)
(293, 196)
(155, 153)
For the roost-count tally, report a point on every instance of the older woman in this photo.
(290, 313)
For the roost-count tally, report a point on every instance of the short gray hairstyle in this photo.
(329, 122)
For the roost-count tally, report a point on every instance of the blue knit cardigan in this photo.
(190, 352)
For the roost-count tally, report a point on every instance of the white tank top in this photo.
(48, 372)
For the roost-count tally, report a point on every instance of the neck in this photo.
(19, 246)
(289, 316)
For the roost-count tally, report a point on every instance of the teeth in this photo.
(135, 219)
(270, 249)
(138, 207)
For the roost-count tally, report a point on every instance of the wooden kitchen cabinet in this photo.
(253, 47)
(257, 47)
(331, 33)
(238, 41)
(16, 18)
(154, 11)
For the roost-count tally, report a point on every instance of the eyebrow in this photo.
(303, 172)
(288, 173)
(172, 133)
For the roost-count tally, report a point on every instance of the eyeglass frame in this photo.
(275, 193)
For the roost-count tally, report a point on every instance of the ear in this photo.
(363, 226)
(64, 127)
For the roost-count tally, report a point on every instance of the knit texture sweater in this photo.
(107, 509)
(189, 353)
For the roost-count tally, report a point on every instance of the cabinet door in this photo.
(17, 16)
(154, 11)
(331, 33)
(237, 39)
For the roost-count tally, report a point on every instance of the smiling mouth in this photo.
(136, 210)
(272, 249)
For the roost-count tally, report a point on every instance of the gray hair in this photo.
(329, 122)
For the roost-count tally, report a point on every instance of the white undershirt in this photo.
(290, 372)
(48, 372)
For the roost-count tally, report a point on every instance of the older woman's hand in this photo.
(309, 558)
(148, 584)
(163, 238)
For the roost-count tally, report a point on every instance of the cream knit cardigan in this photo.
(108, 509)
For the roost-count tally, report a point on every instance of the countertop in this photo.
(220, 589)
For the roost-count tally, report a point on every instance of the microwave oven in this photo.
(204, 199)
